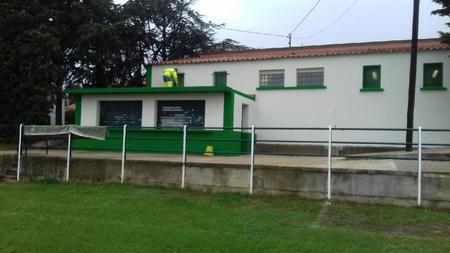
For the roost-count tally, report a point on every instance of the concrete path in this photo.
(268, 160)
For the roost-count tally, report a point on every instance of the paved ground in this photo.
(269, 160)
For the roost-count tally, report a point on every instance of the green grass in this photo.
(37, 217)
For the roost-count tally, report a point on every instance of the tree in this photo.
(445, 11)
(28, 49)
(171, 29)
(229, 45)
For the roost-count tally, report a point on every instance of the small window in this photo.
(180, 79)
(271, 77)
(432, 75)
(310, 76)
(119, 113)
(220, 78)
(372, 77)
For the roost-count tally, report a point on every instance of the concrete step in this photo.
(8, 179)
(11, 172)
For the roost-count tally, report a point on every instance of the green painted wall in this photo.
(228, 110)
(148, 76)
(170, 141)
(77, 110)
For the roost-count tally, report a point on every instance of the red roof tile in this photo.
(312, 51)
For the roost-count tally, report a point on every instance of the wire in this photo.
(301, 22)
(330, 25)
(252, 32)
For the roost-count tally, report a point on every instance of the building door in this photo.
(244, 120)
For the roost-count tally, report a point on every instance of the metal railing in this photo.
(329, 144)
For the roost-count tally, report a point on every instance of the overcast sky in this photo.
(367, 20)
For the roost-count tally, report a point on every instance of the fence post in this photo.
(69, 151)
(124, 152)
(19, 152)
(252, 159)
(330, 140)
(183, 168)
(419, 169)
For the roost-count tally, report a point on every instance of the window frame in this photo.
(436, 86)
(215, 73)
(261, 72)
(309, 85)
(181, 77)
(365, 84)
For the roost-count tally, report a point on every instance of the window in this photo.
(271, 77)
(119, 113)
(220, 78)
(181, 112)
(432, 76)
(180, 79)
(372, 78)
(310, 76)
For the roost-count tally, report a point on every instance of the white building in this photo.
(346, 85)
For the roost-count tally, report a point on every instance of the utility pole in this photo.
(290, 39)
(412, 77)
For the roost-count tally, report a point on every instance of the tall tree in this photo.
(28, 51)
(229, 45)
(444, 11)
(172, 29)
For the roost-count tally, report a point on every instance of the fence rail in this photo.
(125, 135)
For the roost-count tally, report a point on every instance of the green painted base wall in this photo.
(170, 141)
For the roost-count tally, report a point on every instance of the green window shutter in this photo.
(372, 77)
(220, 78)
(180, 79)
(432, 75)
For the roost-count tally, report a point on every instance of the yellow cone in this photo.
(209, 151)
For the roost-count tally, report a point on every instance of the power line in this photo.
(289, 36)
(253, 32)
(301, 22)
(332, 23)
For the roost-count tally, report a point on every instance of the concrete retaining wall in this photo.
(391, 187)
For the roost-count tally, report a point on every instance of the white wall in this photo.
(213, 106)
(341, 103)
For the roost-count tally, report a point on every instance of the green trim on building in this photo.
(220, 78)
(228, 110)
(370, 84)
(300, 87)
(371, 89)
(431, 88)
(428, 83)
(157, 90)
(148, 75)
(170, 141)
(77, 119)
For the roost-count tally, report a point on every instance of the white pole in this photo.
(330, 137)
(252, 159)
(69, 144)
(419, 169)
(19, 153)
(183, 168)
(124, 146)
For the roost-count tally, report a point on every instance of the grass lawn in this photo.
(38, 217)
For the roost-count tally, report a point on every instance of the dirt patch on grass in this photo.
(418, 228)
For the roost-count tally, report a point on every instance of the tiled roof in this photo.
(312, 51)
